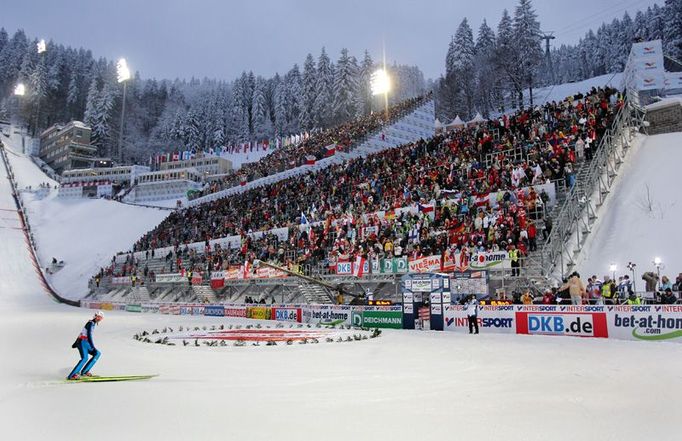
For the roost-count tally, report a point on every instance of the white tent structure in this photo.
(478, 119)
(456, 123)
(438, 125)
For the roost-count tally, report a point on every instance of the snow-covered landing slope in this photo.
(84, 233)
(642, 215)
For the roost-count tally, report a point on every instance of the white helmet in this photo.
(99, 314)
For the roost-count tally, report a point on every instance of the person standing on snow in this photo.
(471, 308)
(86, 346)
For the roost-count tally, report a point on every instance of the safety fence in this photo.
(622, 322)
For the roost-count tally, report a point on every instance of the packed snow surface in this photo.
(404, 385)
(641, 218)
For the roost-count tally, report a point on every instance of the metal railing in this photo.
(577, 213)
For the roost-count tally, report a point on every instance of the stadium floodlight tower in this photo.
(123, 75)
(380, 84)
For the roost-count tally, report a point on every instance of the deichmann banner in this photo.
(378, 317)
(258, 312)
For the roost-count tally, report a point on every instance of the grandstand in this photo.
(491, 191)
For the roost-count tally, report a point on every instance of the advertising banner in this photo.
(578, 321)
(653, 81)
(106, 306)
(185, 310)
(235, 311)
(258, 312)
(673, 80)
(134, 308)
(214, 310)
(217, 279)
(328, 315)
(150, 307)
(645, 322)
(498, 319)
(170, 278)
(457, 262)
(285, 314)
(378, 317)
(647, 49)
(120, 281)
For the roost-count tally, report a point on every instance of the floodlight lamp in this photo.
(122, 70)
(613, 267)
(380, 82)
(42, 46)
(20, 89)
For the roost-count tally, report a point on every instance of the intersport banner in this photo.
(490, 319)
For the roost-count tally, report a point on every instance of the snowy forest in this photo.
(485, 74)
(64, 84)
(490, 73)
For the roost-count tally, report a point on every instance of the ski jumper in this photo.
(85, 346)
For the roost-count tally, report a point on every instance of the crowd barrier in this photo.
(624, 322)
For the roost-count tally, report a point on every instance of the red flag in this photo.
(359, 266)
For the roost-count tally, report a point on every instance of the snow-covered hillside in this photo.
(84, 233)
(641, 218)
(560, 91)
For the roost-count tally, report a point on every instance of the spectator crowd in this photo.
(461, 192)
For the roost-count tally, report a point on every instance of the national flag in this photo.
(330, 150)
(482, 199)
(304, 219)
(176, 156)
(359, 266)
(426, 208)
(309, 160)
(245, 270)
(242, 180)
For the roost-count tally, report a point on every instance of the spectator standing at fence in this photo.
(527, 298)
(594, 286)
(665, 283)
(668, 298)
(471, 307)
(576, 288)
(514, 258)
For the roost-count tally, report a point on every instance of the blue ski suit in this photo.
(85, 346)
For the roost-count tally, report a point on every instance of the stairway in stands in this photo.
(315, 294)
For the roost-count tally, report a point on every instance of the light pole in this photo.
(613, 268)
(658, 263)
(41, 47)
(123, 74)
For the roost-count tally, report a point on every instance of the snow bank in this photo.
(642, 215)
